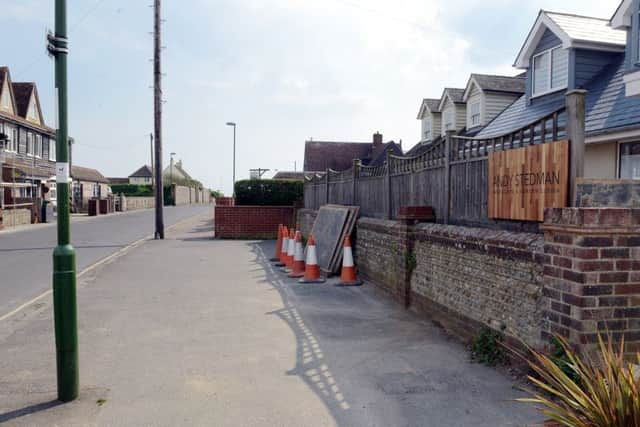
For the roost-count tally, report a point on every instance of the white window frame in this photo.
(29, 144)
(449, 125)
(478, 115)
(37, 145)
(52, 150)
(549, 71)
(12, 133)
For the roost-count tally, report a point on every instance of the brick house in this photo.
(143, 176)
(27, 151)
(322, 155)
(87, 184)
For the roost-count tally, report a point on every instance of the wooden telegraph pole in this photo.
(157, 118)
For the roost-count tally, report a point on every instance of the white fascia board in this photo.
(622, 18)
(541, 25)
(467, 89)
(443, 99)
(623, 136)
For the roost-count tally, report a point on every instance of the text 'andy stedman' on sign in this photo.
(525, 181)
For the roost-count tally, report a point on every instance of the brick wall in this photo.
(224, 201)
(469, 277)
(251, 222)
(592, 275)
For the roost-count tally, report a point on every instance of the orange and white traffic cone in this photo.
(298, 257)
(291, 247)
(312, 269)
(285, 246)
(276, 258)
(348, 276)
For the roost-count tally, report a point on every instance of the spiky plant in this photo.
(606, 395)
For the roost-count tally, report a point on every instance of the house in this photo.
(322, 155)
(564, 52)
(431, 120)
(175, 174)
(27, 145)
(453, 109)
(487, 96)
(87, 184)
(143, 176)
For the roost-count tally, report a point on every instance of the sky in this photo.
(284, 70)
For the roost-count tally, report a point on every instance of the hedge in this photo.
(269, 192)
(132, 190)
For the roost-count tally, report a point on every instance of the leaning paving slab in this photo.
(194, 331)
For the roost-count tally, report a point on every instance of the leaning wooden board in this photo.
(327, 229)
(332, 224)
(523, 182)
(350, 224)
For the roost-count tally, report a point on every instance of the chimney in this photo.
(377, 139)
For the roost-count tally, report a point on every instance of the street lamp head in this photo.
(231, 124)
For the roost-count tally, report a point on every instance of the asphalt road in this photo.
(26, 255)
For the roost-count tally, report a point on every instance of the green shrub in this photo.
(269, 192)
(168, 196)
(132, 190)
(487, 348)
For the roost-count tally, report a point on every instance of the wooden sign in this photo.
(524, 181)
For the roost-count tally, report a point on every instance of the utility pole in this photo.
(152, 166)
(157, 114)
(64, 255)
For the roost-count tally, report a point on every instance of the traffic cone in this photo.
(285, 245)
(276, 258)
(348, 276)
(291, 250)
(312, 269)
(298, 257)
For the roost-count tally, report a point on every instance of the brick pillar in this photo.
(592, 275)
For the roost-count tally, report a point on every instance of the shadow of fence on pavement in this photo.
(28, 410)
(311, 365)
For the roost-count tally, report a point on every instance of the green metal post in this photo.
(64, 256)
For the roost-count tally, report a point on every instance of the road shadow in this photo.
(28, 410)
(50, 248)
(311, 365)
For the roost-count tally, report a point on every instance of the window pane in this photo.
(559, 68)
(630, 160)
(541, 73)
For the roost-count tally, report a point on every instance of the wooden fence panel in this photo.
(469, 191)
(371, 196)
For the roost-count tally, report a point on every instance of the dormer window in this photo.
(474, 113)
(550, 71)
(448, 120)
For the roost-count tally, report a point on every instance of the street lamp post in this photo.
(64, 255)
(234, 156)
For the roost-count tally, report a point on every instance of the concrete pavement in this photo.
(193, 331)
(26, 254)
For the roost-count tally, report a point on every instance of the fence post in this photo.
(326, 187)
(387, 187)
(354, 188)
(448, 139)
(575, 103)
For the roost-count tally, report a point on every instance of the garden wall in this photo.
(251, 222)
(137, 203)
(16, 217)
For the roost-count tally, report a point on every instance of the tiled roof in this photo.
(144, 172)
(500, 83)
(322, 155)
(431, 103)
(22, 92)
(379, 154)
(584, 28)
(87, 174)
(455, 94)
(421, 147)
(114, 181)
